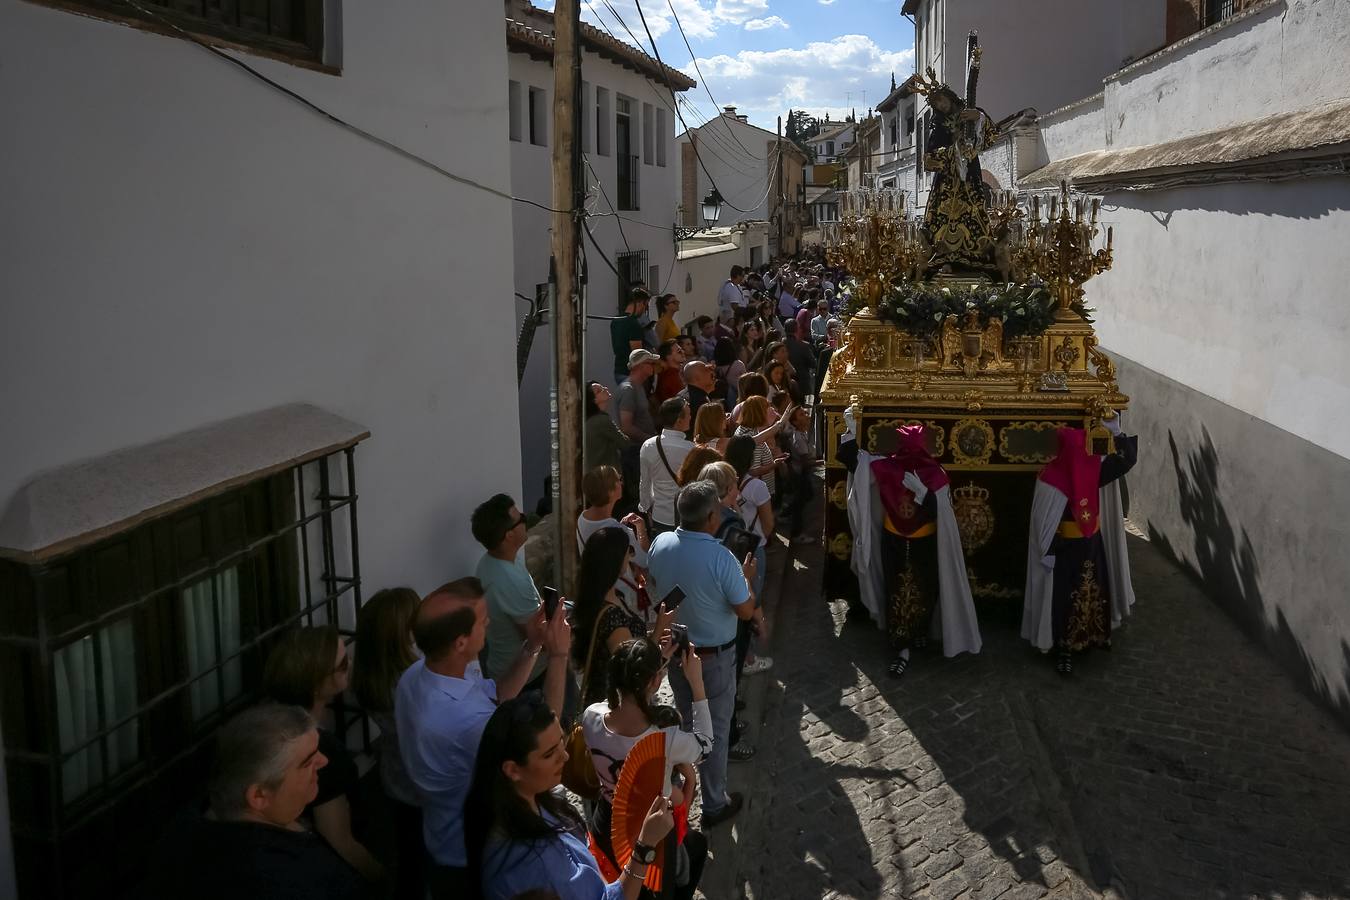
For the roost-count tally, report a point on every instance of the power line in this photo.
(704, 81)
(335, 119)
(657, 54)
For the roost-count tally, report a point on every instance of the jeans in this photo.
(719, 682)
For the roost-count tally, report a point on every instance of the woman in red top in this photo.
(668, 379)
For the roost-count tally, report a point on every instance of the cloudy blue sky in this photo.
(766, 56)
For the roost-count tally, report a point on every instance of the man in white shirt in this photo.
(820, 325)
(788, 304)
(660, 459)
(731, 296)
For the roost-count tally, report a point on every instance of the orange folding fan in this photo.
(643, 777)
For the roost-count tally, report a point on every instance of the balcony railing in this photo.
(628, 182)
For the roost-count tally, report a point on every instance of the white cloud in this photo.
(817, 78)
(762, 24)
(738, 11)
(827, 2)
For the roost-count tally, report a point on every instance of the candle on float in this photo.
(1109, 229)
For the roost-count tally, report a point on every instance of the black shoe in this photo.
(726, 813)
(1064, 664)
(898, 667)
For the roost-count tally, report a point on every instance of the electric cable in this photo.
(704, 81)
(332, 117)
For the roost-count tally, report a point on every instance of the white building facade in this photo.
(632, 171)
(211, 294)
(760, 177)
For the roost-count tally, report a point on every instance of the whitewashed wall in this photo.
(740, 170)
(702, 270)
(648, 228)
(182, 243)
(1289, 55)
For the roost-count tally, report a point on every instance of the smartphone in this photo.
(741, 543)
(550, 596)
(681, 635)
(673, 599)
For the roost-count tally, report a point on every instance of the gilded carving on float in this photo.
(1028, 442)
(969, 317)
(972, 442)
(974, 516)
(839, 494)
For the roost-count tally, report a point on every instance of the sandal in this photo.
(741, 752)
(898, 667)
(1064, 664)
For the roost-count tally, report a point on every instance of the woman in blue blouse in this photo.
(522, 837)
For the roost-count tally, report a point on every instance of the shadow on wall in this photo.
(1225, 565)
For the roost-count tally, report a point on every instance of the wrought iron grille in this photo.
(632, 268)
(286, 544)
(286, 27)
(628, 182)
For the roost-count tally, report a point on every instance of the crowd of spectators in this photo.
(693, 457)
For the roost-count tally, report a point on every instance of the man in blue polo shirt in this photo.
(716, 594)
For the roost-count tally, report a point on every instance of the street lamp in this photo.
(711, 209)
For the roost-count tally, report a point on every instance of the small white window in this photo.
(538, 117)
(648, 134)
(513, 111)
(95, 688)
(602, 120)
(662, 136)
(212, 633)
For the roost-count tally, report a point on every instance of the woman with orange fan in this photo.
(522, 837)
(614, 728)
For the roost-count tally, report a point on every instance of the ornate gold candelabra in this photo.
(874, 241)
(1059, 250)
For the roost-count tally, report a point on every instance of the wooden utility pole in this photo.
(565, 244)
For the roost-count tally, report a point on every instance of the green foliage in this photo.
(920, 308)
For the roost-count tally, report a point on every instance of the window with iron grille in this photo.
(632, 268)
(290, 29)
(1218, 10)
(119, 660)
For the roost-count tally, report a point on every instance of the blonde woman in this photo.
(710, 428)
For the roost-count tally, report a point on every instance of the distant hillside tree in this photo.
(800, 128)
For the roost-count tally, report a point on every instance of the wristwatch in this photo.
(644, 854)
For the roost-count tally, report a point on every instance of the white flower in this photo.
(937, 317)
(970, 304)
(1020, 311)
(946, 290)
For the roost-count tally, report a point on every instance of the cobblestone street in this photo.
(1184, 763)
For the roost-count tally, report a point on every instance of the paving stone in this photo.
(1182, 764)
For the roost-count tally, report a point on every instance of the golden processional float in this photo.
(970, 321)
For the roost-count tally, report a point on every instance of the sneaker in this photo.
(728, 812)
(760, 664)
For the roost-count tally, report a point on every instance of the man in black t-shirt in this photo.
(250, 843)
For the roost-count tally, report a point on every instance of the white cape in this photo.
(1047, 508)
(954, 620)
